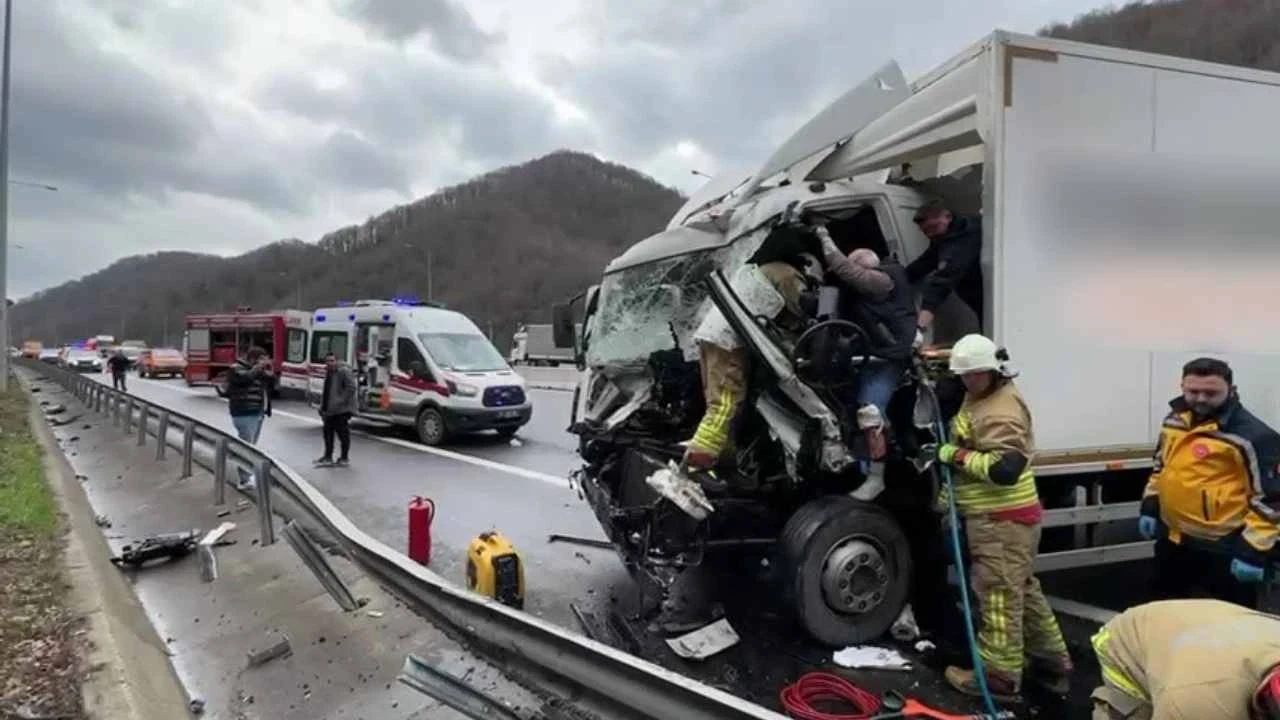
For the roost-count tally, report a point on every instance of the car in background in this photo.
(160, 362)
(50, 355)
(81, 360)
(131, 354)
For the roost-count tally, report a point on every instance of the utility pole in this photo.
(430, 297)
(299, 305)
(4, 193)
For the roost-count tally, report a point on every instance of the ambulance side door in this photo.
(413, 377)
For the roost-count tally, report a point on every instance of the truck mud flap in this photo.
(835, 456)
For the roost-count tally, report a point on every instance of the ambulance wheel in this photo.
(846, 569)
(431, 427)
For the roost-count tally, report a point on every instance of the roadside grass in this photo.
(40, 638)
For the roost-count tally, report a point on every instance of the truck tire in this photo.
(431, 427)
(846, 569)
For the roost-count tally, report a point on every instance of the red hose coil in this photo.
(798, 698)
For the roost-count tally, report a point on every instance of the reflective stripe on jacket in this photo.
(995, 472)
(1215, 481)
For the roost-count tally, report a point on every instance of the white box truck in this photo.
(1128, 226)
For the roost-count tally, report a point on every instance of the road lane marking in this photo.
(439, 452)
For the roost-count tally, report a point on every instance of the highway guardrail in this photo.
(613, 683)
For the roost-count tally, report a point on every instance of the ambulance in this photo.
(419, 365)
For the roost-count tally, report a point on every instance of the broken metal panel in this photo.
(319, 565)
(835, 456)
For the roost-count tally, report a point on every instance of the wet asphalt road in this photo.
(481, 483)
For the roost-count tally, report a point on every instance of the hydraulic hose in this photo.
(948, 480)
(819, 687)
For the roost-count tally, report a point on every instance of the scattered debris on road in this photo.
(279, 649)
(870, 657)
(209, 561)
(168, 546)
(575, 540)
(102, 521)
(705, 641)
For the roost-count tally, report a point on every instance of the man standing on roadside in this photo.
(337, 405)
(118, 364)
(248, 387)
(1211, 504)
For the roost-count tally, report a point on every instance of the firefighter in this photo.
(990, 451)
(1192, 659)
(1209, 502)
(770, 284)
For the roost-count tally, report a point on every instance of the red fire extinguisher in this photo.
(421, 512)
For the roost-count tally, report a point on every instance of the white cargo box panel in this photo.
(1129, 205)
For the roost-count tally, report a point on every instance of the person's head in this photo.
(330, 360)
(933, 220)
(865, 257)
(254, 355)
(978, 362)
(1206, 385)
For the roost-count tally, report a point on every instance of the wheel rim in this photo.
(855, 576)
(431, 427)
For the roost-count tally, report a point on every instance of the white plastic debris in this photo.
(705, 641)
(515, 442)
(925, 646)
(869, 657)
(905, 628)
(687, 495)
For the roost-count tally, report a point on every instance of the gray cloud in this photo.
(454, 33)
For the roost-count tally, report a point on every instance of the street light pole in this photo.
(4, 194)
(430, 297)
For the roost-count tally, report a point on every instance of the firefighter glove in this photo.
(1246, 572)
(1147, 527)
(950, 454)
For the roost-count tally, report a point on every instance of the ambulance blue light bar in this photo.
(319, 318)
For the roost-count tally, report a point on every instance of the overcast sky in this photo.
(222, 125)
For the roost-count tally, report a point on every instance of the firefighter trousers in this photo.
(1015, 618)
(724, 384)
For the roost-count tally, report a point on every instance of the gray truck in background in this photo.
(535, 345)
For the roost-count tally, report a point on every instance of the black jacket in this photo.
(889, 321)
(952, 264)
(247, 389)
(118, 364)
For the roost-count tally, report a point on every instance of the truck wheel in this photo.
(430, 426)
(846, 569)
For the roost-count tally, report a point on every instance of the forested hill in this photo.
(503, 247)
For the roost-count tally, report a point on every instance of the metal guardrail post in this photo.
(220, 471)
(144, 417)
(162, 434)
(115, 401)
(314, 559)
(188, 446)
(128, 415)
(263, 472)
(97, 399)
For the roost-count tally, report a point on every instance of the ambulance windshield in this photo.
(463, 352)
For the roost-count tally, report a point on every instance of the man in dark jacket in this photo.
(951, 264)
(248, 387)
(118, 364)
(337, 405)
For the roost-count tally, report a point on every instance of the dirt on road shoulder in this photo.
(41, 641)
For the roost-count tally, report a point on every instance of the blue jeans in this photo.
(878, 382)
(248, 427)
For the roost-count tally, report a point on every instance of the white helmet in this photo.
(973, 353)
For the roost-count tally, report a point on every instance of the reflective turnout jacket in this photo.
(1215, 481)
(994, 465)
(1186, 659)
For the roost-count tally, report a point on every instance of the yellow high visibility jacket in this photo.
(1215, 481)
(1186, 659)
(997, 441)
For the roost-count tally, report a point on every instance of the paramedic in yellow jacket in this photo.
(1209, 503)
(770, 284)
(990, 452)
(1188, 660)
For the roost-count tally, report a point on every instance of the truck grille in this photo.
(503, 396)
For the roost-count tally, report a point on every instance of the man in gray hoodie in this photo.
(337, 405)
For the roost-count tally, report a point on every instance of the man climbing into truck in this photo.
(951, 264)
(990, 451)
(1188, 659)
(770, 285)
(1211, 502)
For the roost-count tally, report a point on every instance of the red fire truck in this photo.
(213, 341)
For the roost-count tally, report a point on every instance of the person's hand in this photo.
(918, 342)
(1147, 527)
(1246, 572)
(950, 454)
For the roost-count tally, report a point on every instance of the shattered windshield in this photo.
(651, 307)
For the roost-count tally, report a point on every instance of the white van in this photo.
(419, 365)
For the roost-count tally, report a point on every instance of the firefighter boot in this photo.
(1002, 687)
(1053, 674)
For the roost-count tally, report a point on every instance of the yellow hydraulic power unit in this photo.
(494, 568)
